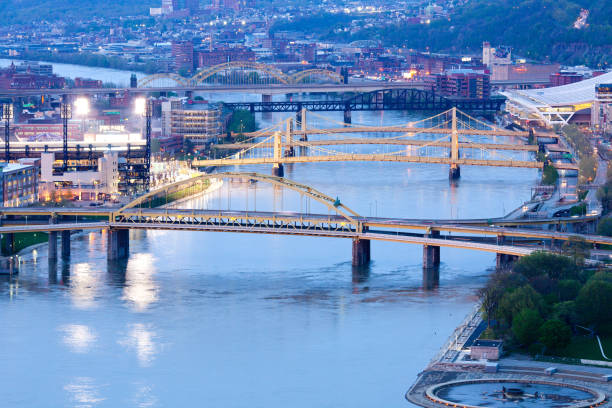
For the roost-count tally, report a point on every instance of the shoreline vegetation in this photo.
(550, 305)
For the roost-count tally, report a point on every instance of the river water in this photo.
(233, 320)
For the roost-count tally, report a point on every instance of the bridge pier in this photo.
(118, 244)
(347, 115)
(505, 260)
(266, 98)
(454, 173)
(361, 252)
(52, 254)
(278, 170)
(65, 244)
(431, 278)
(431, 256)
(431, 253)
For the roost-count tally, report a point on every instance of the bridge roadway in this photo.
(379, 141)
(393, 129)
(381, 157)
(253, 89)
(290, 223)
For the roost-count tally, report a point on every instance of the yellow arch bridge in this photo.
(244, 73)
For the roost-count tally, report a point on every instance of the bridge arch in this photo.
(271, 73)
(150, 79)
(302, 76)
(333, 204)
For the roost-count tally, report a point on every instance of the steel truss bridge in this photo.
(451, 137)
(489, 235)
(387, 99)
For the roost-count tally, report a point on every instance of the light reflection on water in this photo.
(238, 320)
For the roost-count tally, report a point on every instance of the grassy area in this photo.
(177, 195)
(586, 347)
(25, 239)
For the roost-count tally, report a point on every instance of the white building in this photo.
(87, 185)
(495, 56)
(556, 105)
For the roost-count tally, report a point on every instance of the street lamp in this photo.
(7, 115)
(66, 114)
(144, 108)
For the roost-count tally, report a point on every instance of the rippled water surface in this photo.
(219, 319)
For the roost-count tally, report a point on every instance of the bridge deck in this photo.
(380, 158)
(293, 223)
(380, 141)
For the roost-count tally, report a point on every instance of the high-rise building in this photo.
(192, 5)
(196, 125)
(182, 55)
(465, 83)
(169, 6)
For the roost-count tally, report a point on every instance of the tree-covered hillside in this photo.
(539, 29)
(31, 11)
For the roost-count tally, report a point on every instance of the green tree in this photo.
(514, 301)
(545, 263)
(593, 303)
(242, 121)
(605, 224)
(555, 335)
(566, 312)
(568, 289)
(577, 249)
(549, 175)
(526, 325)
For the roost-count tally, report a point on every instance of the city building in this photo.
(601, 112)
(19, 184)
(565, 78)
(196, 125)
(465, 83)
(40, 132)
(95, 184)
(558, 105)
(192, 5)
(182, 55)
(169, 6)
(495, 56)
(87, 83)
(208, 58)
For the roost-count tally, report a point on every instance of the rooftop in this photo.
(582, 92)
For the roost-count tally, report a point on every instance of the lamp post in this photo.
(66, 114)
(7, 115)
(144, 107)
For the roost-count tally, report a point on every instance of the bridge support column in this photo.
(118, 245)
(505, 260)
(431, 278)
(431, 256)
(347, 115)
(361, 252)
(454, 172)
(278, 170)
(52, 255)
(66, 244)
(431, 253)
